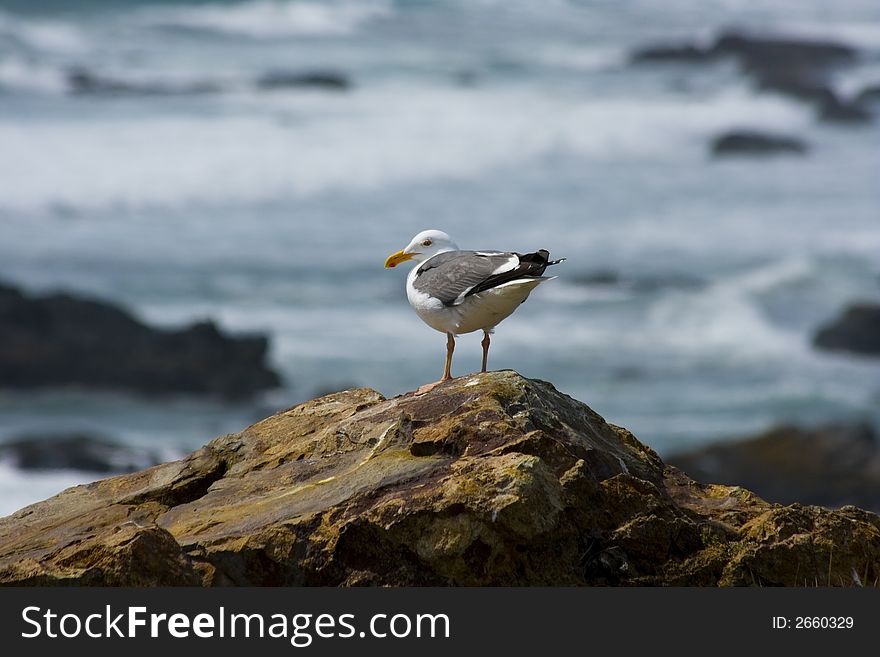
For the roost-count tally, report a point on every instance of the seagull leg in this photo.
(450, 347)
(485, 344)
(447, 370)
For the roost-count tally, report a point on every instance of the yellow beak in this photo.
(396, 258)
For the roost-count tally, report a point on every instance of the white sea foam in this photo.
(19, 74)
(47, 35)
(579, 58)
(270, 18)
(722, 323)
(360, 141)
(770, 276)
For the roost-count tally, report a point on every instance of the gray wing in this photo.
(452, 275)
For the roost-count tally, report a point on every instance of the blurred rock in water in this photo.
(82, 81)
(62, 340)
(840, 111)
(76, 451)
(329, 80)
(857, 330)
(792, 66)
(687, 53)
(798, 87)
(751, 142)
(870, 95)
(755, 53)
(830, 466)
(763, 54)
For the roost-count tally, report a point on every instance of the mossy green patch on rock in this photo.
(491, 479)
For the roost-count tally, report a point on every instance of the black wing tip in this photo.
(543, 257)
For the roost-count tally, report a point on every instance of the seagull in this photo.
(455, 291)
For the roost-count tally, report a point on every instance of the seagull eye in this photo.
(426, 243)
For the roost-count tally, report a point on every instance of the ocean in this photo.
(189, 187)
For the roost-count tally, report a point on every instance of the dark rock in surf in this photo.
(798, 68)
(80, 81)
(753, 143)
(794, 55)
(857, 330)
(868, 96)
(799, 87)
(326, 80)
(838, 111)
(74, 451)
(62, 340)
(757, 54)
(831, 466)
(684, 53)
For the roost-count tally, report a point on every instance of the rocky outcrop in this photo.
(753, 143)
(756, 53)
(799, 68)
(784, 56)
(490, 479)
(857, 330)
(831, 466)
(62, 340)
(75, 451)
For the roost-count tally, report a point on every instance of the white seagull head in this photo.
(425, 245)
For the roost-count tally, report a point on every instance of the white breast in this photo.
(431, 311)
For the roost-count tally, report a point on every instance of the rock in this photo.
(756, 53)
(831, 466)
(73, 451)
(328, 80)
(764, 54)
(600, 277)
(839, 111)
(61, 340)
(798, 86)
(684, 53)
(490, 479)
(795, 67)
(83, 82)
(870, 95)
(857, 331)
(749, 142)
